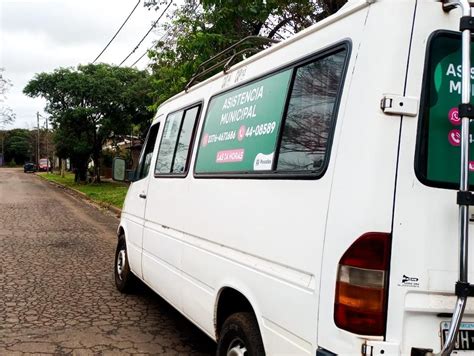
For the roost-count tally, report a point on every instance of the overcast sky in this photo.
(41, 35)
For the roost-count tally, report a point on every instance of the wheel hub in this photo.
(120, 263)
(237, 348)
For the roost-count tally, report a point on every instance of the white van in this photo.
(303, 201)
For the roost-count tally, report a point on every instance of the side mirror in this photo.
(118, 169)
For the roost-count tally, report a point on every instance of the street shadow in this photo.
(200, 342)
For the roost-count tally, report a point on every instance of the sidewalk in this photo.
(108, 194)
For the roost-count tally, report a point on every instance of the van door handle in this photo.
(142, 195)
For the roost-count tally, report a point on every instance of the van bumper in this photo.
(371, 347)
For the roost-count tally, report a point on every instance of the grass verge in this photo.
(111, 193)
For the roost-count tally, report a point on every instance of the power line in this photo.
(143, 55)
(146, 34)
(167, 33)
(140, 58)
(116, 33)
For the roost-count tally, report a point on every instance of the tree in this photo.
(7, 116)
(89, 105)
(18, 145)
(73, 140)
(197, 33)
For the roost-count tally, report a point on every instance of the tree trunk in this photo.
(63, 167)
(80, 171)
(96, 159)
(97, 149)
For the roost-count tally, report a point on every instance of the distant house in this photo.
(124, 146)
(135, 150)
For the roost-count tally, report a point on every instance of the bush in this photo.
(12, 163)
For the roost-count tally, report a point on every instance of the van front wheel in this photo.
(125, 280)
(240, 336)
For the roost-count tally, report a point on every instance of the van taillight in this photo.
(361, 287)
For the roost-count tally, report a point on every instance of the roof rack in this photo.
(227, 57)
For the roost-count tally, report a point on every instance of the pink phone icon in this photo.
(241, 133)
(454, 137)
(453, 116)
(471, 166)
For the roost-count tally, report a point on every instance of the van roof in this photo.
(349, 8)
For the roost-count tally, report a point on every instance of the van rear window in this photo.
(437, 161)
(282, 123)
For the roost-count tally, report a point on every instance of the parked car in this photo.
(29, 167)
(43, 165)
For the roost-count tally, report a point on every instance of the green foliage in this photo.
(18, 145)
(198, 33)
(90, 104)
(12, 163)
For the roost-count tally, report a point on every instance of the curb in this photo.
(84, 196)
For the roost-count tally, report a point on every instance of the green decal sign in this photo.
(442, 126)
(242, 125)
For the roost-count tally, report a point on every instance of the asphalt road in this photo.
(57, 292)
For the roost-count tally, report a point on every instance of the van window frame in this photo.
(346, 45)
(139, 170)
(421, 145)
(199, 104)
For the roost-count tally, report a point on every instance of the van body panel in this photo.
(133, 219)
(364, 175)
(258, 203)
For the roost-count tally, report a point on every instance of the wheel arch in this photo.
(230, 300)
(122, 230)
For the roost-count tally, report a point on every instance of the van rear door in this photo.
(424, 262)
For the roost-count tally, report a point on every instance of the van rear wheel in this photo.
(240, 336)
(125, 280)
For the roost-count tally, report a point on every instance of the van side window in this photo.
(175, 143)
(309, 117)
(164, 160)
(241, 130)
(275, 126)
(184, 140)
(147, 153)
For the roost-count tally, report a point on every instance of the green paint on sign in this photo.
(438, 77)
(242, 126)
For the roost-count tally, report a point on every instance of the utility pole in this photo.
(2, 163)
(38, 140)
(47, 153)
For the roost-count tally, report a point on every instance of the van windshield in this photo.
(439, 132)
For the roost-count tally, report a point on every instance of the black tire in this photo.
(240, 334)
(125, 280)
